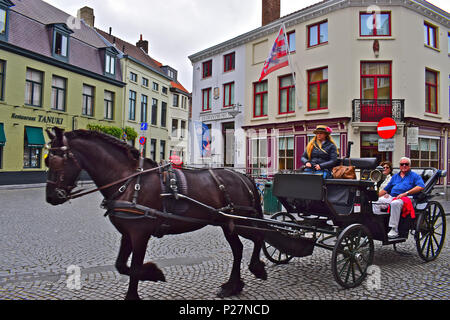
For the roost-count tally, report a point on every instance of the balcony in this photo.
(370, 110)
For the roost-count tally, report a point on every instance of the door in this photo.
(369, 148)
(228, 144)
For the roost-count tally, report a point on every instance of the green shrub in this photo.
(114, 131)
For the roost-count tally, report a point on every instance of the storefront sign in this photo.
(38, 118)
(412, 136)
(215, 116)
(386, 145)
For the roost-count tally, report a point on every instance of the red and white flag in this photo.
(278, 56)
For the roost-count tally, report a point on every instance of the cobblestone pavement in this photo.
(38, 242)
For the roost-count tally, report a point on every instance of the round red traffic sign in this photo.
(176, 160)
(386, 128)
(142, 140)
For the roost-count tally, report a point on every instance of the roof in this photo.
(138, 54)
(30, 28)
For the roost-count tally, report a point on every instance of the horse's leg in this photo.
(256, 266)
(124, 253)
(235, 284)
(139, 245)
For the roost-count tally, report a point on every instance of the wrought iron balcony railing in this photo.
(371, 110)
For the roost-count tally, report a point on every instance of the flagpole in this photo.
(297, 99)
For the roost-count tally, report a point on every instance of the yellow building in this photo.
(54, 71)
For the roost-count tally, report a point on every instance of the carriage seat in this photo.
(361, 163)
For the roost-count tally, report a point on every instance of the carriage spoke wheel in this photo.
(352, 255)
(430, 231)
(273, 254)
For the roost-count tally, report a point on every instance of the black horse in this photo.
(113, 165)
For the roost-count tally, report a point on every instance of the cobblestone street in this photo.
(38, 242)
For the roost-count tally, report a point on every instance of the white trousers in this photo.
(395, 212)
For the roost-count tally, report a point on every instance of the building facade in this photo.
(218, 95)
(350, 66)
(54, 71)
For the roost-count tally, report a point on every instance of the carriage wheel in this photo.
(352, 255)
(430, 231)
(273, 254)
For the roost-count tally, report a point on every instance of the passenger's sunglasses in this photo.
(404, 164)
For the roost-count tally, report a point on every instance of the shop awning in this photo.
(35, 137)
(2, 135)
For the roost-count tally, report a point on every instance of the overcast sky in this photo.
(176, 29)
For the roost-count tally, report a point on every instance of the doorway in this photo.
(228, 144)
(369, 148)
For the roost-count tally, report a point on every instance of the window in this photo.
(431, 91)
(154, 111)
(260, 99)
(153, 149)
(175, 100)
(58, 93)
(376, 80)
(132, 106)
(375, 24)
(183, 129)
(207, 69)
(174, 127)
(206, 99)
(164, 90)
(430, 34)
(426, 153)
(162, 150)
(286, 153)
(110, 64)
(4, 17)
(228, 94)
(170, 73)
(2, 143)
(33, 87)
(155, 86)
(133, 77)
(317, 33)
(259, 156)
(291, 41)
(144, 108)
(33, 143)
(318, 89)
(3, 20)
(448, 43)
(145, 82)
(184, 100)
(163, 114)
(286, 94)
(228, 62)
(109, 105)
(2, 78)
(88, 100)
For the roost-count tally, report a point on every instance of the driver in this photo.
(403, 184)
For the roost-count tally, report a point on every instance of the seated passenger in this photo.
(387, 173)
(321, 153)
(403, 184)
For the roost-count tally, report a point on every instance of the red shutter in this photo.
(299, 148)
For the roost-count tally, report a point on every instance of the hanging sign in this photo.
(386, 145)
(412, 136)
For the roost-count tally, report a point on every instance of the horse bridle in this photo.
(57, 163)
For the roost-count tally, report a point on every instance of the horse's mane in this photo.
(131, 152)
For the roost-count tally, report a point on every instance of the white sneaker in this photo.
(392, 233)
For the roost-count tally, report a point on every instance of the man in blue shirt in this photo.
(403, 184)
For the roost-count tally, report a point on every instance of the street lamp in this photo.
(235, 110)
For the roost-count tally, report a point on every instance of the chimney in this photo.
(143, 44)
(270, 11)
(87, 14)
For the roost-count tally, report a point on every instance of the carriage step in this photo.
(396, 240)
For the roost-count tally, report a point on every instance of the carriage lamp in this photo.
(235, 110)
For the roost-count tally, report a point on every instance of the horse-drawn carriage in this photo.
(336, 214)
(144, 199)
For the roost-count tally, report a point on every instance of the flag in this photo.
(278, 56)
(204, 138)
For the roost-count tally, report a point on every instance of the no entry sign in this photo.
(386, 128)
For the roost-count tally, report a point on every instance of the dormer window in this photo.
(60, 48)
(4, 17)
(110, 61)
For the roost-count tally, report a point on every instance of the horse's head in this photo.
(63, 168)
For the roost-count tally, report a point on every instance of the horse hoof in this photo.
(150, 272)
(230, 289)
(258, 269)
